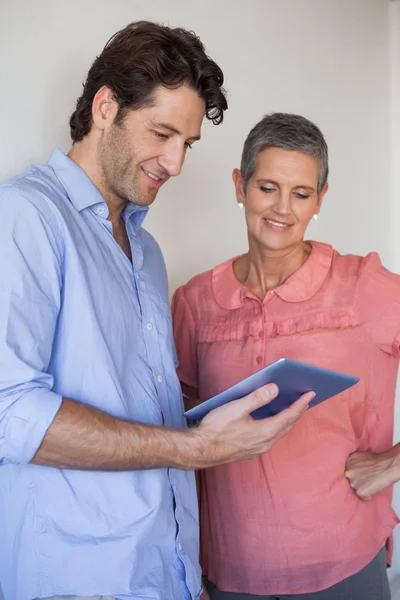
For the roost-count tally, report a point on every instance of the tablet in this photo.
(293, 379)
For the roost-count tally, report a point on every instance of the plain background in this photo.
(336, 62)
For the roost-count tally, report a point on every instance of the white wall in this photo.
(325, 59)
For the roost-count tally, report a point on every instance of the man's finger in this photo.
(259, 398)
(292, 414)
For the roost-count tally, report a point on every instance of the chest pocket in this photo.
(162, 314)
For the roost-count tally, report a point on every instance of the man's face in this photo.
(138, 155)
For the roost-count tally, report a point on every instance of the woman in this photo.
(289, 524)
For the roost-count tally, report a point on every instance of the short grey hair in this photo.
(288, 132)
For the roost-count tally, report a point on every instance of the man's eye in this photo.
(187, 145)
(161, 135)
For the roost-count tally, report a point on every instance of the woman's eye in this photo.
(302, 196)
(267, 190)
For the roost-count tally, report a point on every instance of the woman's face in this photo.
(280, 198)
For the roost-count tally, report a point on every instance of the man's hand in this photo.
(229, 433)
(83, 437)
(369, 473)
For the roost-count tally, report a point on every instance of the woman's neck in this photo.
(261, 269)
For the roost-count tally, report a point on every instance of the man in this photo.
(97, 494)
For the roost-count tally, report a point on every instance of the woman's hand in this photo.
(369, 473)
(190, 396)
(204, 595)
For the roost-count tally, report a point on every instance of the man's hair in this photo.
(140, 58)
(288, 132)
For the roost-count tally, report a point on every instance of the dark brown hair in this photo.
(140, 58)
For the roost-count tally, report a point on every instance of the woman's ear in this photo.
(321, 197)
(239, 186)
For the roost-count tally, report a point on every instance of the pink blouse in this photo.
(288, 522)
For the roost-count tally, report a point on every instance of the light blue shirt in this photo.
(78, 320)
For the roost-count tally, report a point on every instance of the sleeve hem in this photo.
(396, 345)
(26, 426)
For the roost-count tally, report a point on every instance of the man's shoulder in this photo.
(36, 189)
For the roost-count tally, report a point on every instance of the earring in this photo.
(240, 205)
(315, 217)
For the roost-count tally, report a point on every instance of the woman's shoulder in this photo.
(204, 281)
(202, 289)
(376, 298)
(198, 282)
(365, 270)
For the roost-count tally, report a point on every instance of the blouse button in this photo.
(258, 359)
(261, 334)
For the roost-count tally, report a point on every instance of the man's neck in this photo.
(82, 154)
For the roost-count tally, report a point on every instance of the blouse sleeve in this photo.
(184, 335)
(378, 298)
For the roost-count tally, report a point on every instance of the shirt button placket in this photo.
(261, 336)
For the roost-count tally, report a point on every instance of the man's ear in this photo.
(104, 108)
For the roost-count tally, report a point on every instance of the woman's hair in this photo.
(140, 58)
(289, 132)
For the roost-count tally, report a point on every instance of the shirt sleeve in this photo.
(30, 297)
(378, 297)
(184, 335)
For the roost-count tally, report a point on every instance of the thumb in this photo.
(260, 397)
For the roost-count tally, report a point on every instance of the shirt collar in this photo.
(82, 192)
(301, 286)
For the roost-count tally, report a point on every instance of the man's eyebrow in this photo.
(173, 130)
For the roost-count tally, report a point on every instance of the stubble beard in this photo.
(119, 170)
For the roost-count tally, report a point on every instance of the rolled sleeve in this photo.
(30, 299)
(26, 423)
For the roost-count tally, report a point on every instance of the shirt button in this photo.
(258, 359)
(100, 210)
(149, 326)
(159, 378)
(174, 488)
(179, 546)
(261, 334)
